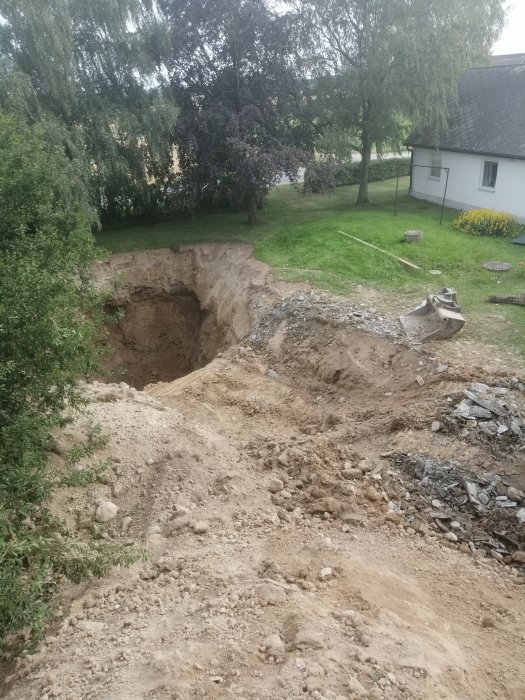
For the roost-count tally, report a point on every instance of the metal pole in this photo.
(444, 197)
(397, 189)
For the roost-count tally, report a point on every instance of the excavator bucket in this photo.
(437, 318)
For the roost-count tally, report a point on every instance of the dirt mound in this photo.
(286, 560)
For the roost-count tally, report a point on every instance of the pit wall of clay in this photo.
(180, 307)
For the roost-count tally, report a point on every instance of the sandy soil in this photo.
(272, 574)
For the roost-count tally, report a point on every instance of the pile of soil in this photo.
(259, 484)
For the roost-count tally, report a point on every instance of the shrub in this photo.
(486, 222)
(49, 316)
(161, 200)
(384, 169)
(319, 177)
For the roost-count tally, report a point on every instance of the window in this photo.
(490, 174)
(435, 166)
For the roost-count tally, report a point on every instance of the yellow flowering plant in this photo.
(486, 222)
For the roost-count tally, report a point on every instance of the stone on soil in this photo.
(106, 512)
(518, 557)
(372, 494)
(200, 527)
(356, 687)
(157, 545)
(308, 639)
(326, 505)
(270, 593)
(351, 474)
(273, 646)
(514, 494)
(325, 574)
(275, 485)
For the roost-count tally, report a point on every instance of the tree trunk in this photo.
(362, 195)
(252, 209)
(518, 300)
(366, 156)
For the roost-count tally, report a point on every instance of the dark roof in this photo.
(489, 117)
(509, 59)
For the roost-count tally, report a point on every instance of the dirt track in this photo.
(273, 575)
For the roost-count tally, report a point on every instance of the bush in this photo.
(319, 177)
(385, 169)
(49, 316)
(162, 200)
(486, 222)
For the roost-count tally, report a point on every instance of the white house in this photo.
(480, 162)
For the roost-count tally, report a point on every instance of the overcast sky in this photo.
(513, 38)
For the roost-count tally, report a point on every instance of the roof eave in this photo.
(492, 154)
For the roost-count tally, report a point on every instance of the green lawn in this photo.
(300, 238)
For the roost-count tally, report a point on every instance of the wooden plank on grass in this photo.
(385, 252)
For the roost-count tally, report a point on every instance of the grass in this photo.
(300, 238)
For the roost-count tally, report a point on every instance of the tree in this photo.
(49, 317)
(380, 62)
(242, 99)
(90, 72)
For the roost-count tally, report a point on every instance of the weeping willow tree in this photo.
(381, 64)
(91, 74)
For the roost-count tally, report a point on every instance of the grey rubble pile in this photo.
(490, 413)
(302, 310)
(483, 512)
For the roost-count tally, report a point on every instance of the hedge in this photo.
(379, 170)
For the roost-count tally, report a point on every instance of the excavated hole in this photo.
(180, 307)
(160, 337)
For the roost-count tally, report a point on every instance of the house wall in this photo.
(464, 184)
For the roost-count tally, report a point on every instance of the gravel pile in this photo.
(490, 414)
(479, 511)
(302, 310)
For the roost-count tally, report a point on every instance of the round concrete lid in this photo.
(497, 266)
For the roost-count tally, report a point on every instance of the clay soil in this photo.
(269, 575)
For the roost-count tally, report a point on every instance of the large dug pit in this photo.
(174, 310)
(160, 337)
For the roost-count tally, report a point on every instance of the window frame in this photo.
(436, 154)
(484, 163)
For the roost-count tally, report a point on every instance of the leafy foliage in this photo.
(86, 71)
(49, 315)
(74, 475)
(235, 77)
(379, 63)
(325, 175)
(320, 177)
(381, 169)
(486, 222)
